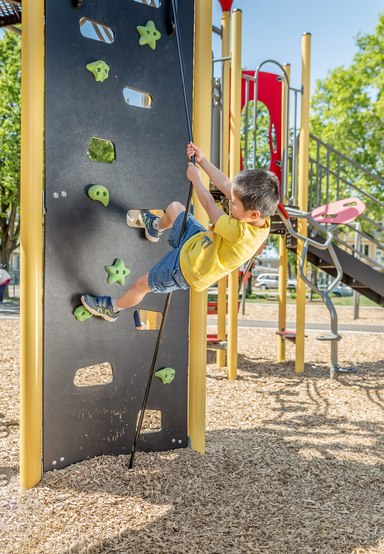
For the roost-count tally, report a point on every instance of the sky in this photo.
(274, 29)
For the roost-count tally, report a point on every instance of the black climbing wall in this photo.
(82, 236)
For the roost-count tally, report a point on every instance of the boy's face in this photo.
(237, 209)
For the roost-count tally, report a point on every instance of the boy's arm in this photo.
(205, 197)
(221, 181)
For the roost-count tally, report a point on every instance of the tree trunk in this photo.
(9, 233)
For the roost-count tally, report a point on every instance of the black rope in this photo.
(189, 200)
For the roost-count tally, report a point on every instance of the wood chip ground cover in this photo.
(293, 464)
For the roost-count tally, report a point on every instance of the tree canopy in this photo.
(348, 105)
(348, 113)
(10, 84)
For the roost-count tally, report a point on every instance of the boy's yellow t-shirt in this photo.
(210, 255)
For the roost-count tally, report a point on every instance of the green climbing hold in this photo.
(81, 313)
(148, 34)
(99, 69)
(99, 193)
(166, 375)
(117, 272)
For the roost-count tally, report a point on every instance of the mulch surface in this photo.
(293, 464)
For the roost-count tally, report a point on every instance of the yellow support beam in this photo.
(31, 220)
(234, 168)
(225, 52)
(222, 284)
(283, 258)
(303, 196)
(198, 301)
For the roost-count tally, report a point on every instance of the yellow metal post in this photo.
(198, 301)
(283, 258)
(234, 167)
(222, 284)
(302, 196)
(225, 51)
(32, 128)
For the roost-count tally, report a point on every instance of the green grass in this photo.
(291, 299)
(348, 301)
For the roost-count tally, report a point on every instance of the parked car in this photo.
(266, 281)
(340, 290)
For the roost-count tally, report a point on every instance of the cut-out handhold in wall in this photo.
(137, 98)
(151, 421)
(93, 375)
(150, 3)
(147, 320)
(148, 34)
(101, 150)
(96, 31)
(99, 193)
(117, 272)
(99, 69)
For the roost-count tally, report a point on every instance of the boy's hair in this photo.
(258, 189)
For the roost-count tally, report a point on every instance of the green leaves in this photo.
(348, 114)
(348, 105)
(10, 115)
(262, 153)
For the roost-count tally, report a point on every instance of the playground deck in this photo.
(293, 464)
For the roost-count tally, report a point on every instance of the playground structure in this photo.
(312, 234)
(56, 355)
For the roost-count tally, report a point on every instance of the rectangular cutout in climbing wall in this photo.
(96, 31)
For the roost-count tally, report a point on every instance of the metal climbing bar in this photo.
(340, 212)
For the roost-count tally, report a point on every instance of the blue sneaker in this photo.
(148, 219)
(100, 306)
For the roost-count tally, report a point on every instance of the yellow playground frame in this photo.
(32, 163)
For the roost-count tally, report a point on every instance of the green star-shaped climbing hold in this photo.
(117, 272)
(99, 69)
(148, 34)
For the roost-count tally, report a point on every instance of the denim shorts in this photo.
(166, 275)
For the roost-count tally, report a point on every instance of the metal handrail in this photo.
(349, 160)
(346, 182)
(364, 235)
(360, 255)
(372, 222)
(254, 79)
(297, 214)
(325, 294)
(328, 163)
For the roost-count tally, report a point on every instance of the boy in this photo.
(201, 257)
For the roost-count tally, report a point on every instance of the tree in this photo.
(348, 113)
(348, 105)
(10, 78)
(262, 155)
